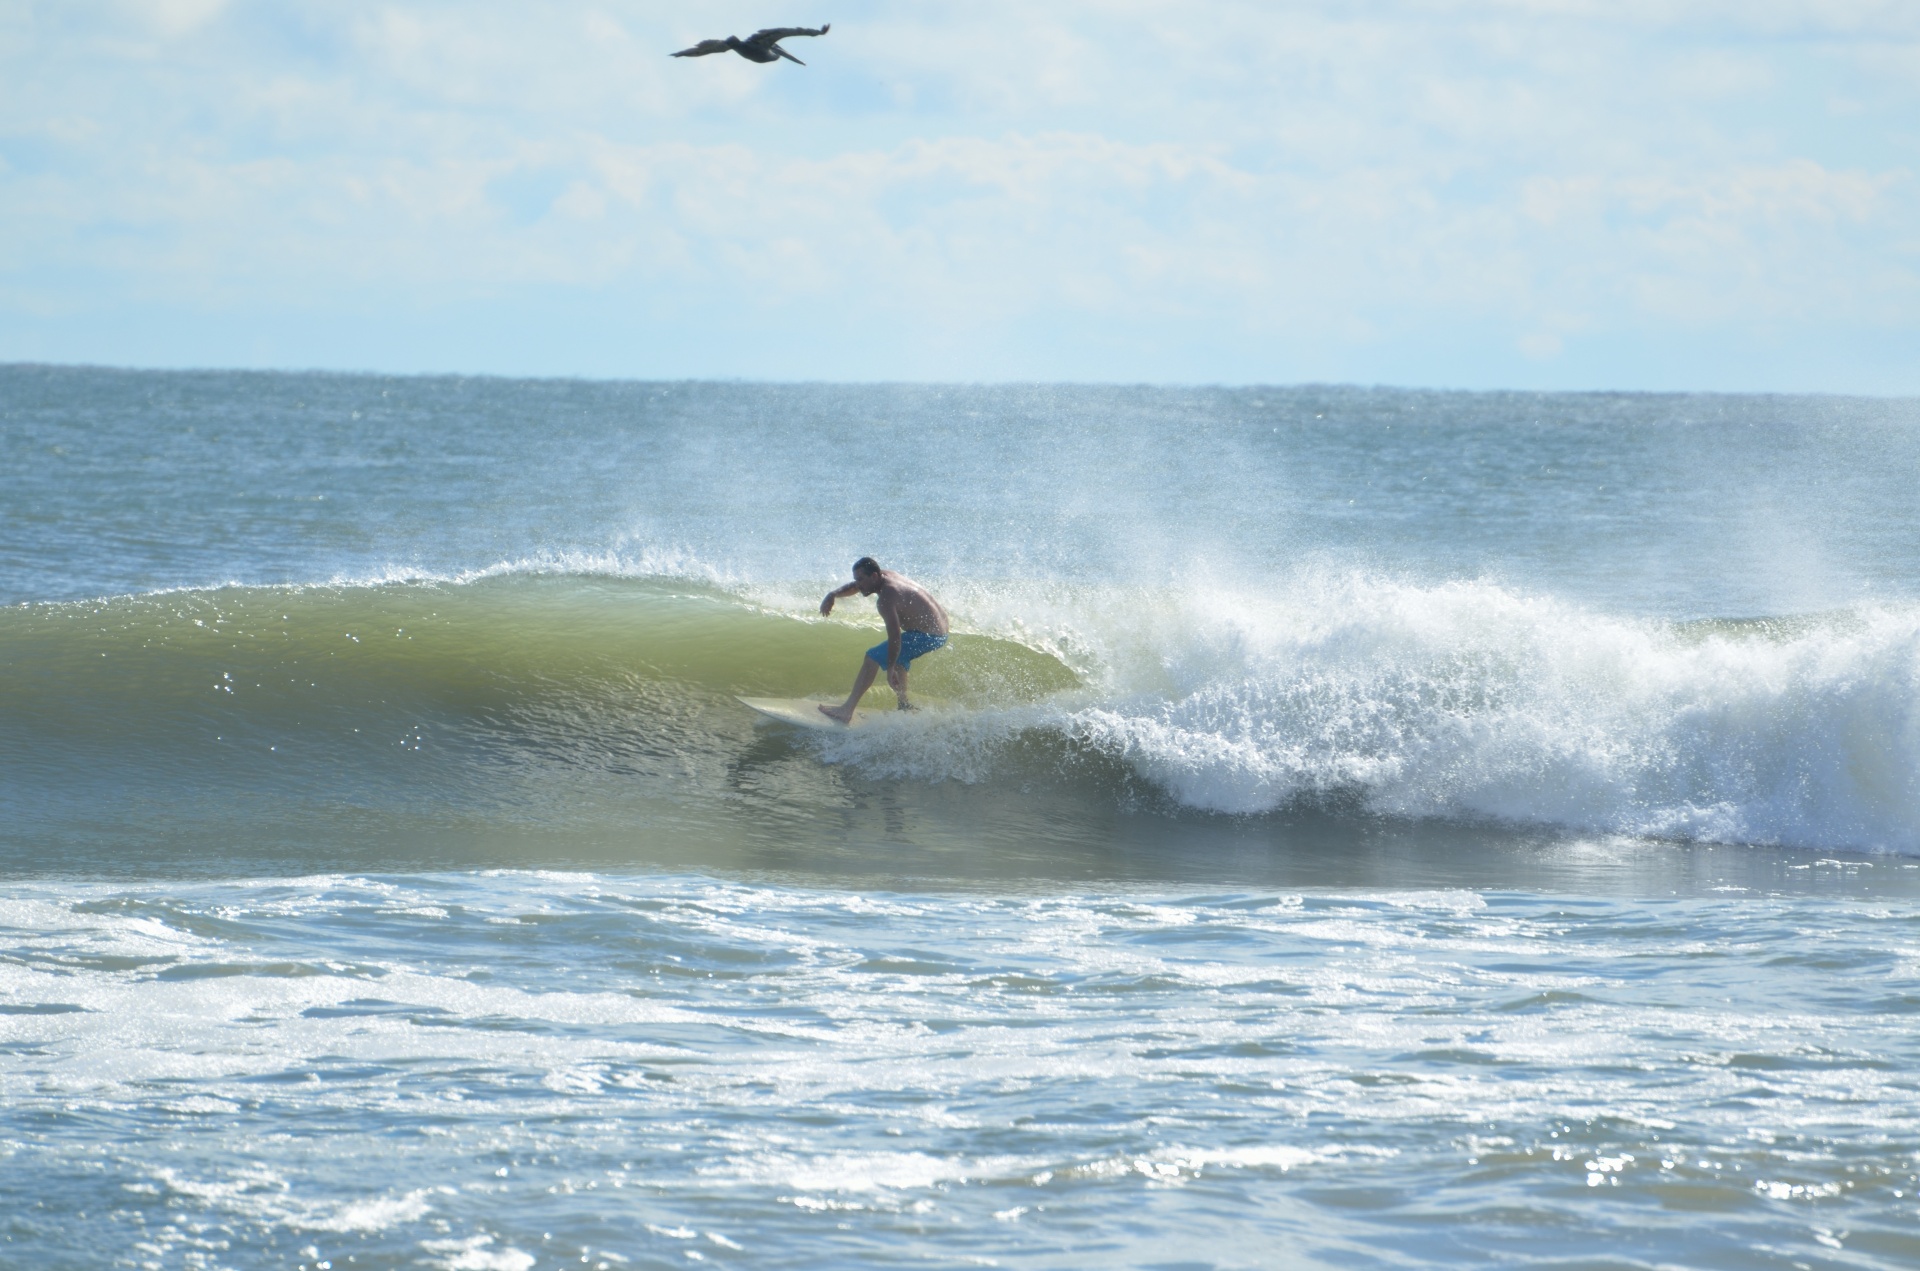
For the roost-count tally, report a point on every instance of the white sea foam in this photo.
(477, 1253)
(1098, 1054)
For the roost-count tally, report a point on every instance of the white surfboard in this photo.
(804, 712)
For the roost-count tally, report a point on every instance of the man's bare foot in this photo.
(842, 713)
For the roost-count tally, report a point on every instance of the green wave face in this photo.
(594, 706)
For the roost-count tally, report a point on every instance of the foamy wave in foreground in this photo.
(1471, 700)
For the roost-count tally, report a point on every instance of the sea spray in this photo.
(1471, 700)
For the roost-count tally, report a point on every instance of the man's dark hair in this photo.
(866, 565)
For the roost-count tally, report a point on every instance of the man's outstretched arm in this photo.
(838, 593)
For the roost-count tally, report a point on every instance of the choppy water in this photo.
(1363, 827)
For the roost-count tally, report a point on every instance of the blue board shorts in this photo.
(913, 644)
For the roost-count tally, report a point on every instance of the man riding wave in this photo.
(916, 626)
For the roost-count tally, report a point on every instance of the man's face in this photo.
(869, 582)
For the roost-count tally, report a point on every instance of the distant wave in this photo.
(1465, 700)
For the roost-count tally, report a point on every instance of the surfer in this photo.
(916, 626)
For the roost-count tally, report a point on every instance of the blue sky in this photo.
(1694, 194)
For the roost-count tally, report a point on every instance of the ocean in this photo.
(1350, 827)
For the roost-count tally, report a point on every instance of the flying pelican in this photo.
(761, 46)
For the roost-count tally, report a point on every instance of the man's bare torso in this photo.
(911, 605)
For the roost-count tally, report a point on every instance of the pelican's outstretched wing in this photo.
(705, 47)
(774, 34)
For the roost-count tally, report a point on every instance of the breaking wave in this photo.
(1464, 700)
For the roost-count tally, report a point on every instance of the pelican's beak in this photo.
(783, 53)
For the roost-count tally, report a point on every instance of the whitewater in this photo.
(1362, 826)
